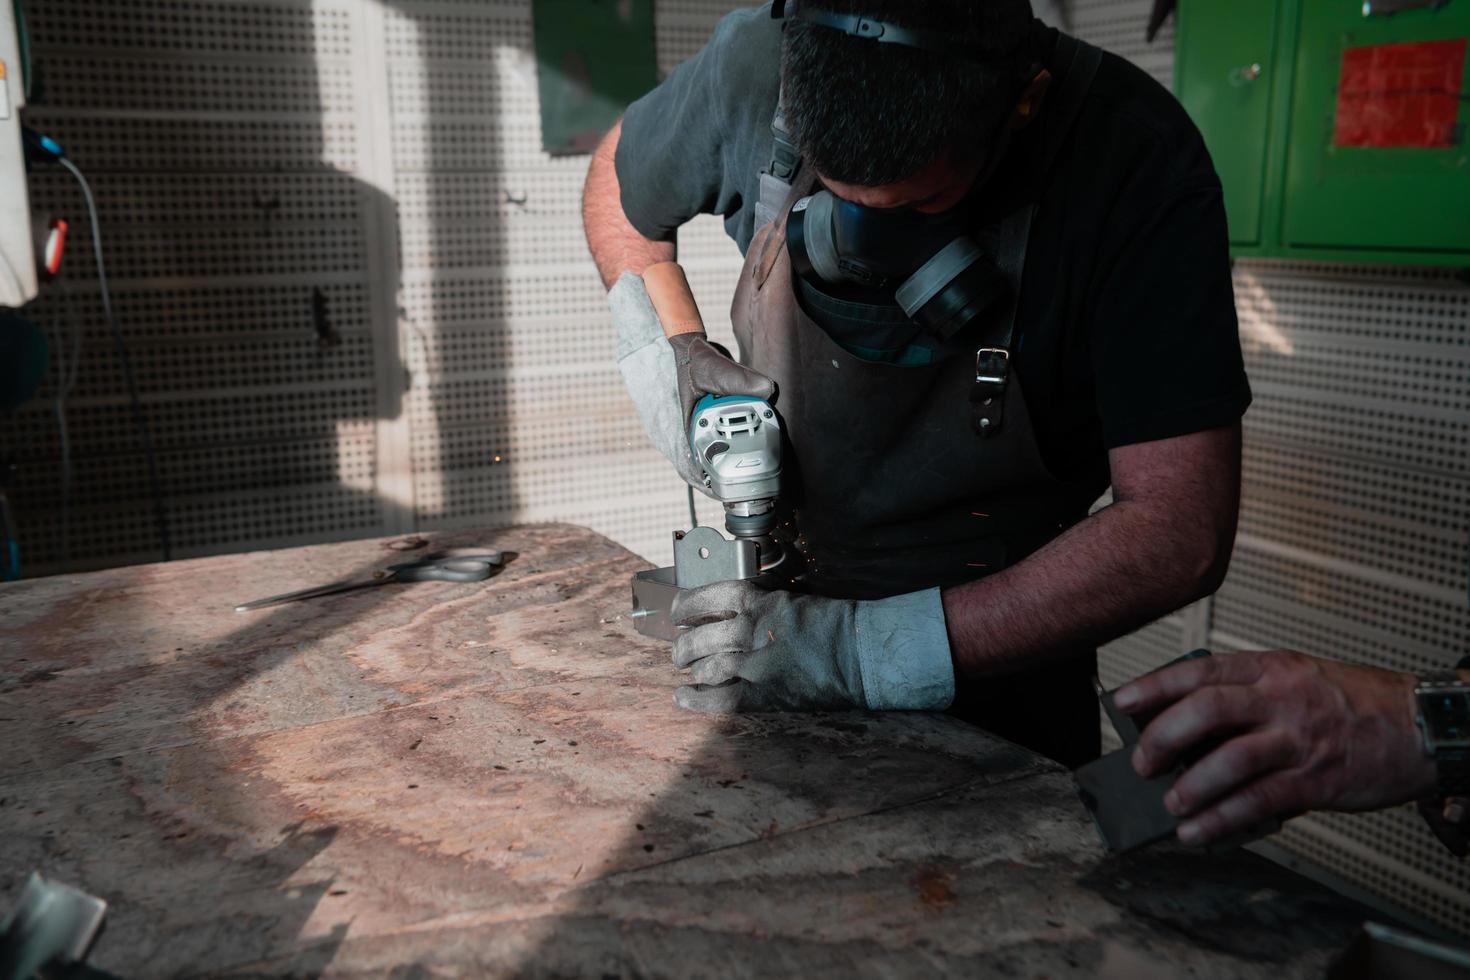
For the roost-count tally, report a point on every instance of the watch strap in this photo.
(1451, 762)
(1452, 767)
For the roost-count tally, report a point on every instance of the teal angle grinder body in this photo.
(736, 440)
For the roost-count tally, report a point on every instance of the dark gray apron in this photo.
(888, 487)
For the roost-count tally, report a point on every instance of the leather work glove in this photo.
(753, 650)
(706, 368)
(664, 386)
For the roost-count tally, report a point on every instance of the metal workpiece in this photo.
(1128, 809)
(702, 556)
(50, 930)
(654, 593)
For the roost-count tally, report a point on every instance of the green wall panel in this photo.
(1290, 190)
(1383, 197)
(1224, 77)
(593, 57)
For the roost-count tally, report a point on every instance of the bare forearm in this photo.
(617, 246)
(1165, 542)
(1107, 575)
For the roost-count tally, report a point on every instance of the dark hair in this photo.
(870, 113)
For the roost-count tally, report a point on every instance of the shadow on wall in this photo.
(239, 243)
(261, 309)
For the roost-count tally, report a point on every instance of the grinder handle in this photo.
(672, 299)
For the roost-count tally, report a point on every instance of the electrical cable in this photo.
(140, 419)
(693, 517)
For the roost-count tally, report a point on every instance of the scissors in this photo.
(433, 568)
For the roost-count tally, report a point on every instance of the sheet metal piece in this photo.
(1127, 808)
(653, 596)
(702, 556)
(52, 925)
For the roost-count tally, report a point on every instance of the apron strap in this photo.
(1011, 236)
(773, 243)
(777, 178)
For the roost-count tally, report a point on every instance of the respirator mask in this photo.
(925, 263)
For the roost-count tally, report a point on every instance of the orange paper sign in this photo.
(1400, 94)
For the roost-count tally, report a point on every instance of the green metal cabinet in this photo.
(1340, 131)
(1225, 80)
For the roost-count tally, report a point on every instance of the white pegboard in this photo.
(1276, 597)
(143, 83)
(517, 411)
(1119, 27)
(159, 144)
(1390, 854)
(171, 313)
(201, 29)
(221, 140)
(1406, 523)
(425, 31)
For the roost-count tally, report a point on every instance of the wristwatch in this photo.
(1443, 717)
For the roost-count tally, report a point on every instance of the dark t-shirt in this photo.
(1127, 310)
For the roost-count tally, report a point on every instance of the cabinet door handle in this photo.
(1245, 74)
(1372, 8)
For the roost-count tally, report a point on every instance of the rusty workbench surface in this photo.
(447, 779)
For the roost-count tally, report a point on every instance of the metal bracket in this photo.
(987, 395)
(654, 593)
(702, 556)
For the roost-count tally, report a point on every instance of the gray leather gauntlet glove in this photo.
(663, 384)
(704, 368)
(753, 650)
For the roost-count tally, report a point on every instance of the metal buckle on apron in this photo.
(988, 396)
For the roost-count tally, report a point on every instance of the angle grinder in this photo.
(737, 440)
(734, 439)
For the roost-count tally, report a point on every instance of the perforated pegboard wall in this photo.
(355, 290)
(225, 143)
(1355, 524)
(516, 409)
